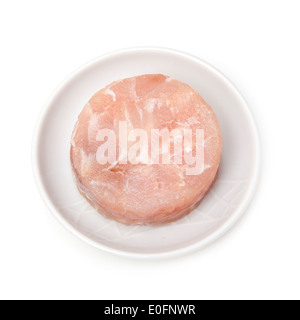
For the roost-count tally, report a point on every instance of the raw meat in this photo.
(144, 193)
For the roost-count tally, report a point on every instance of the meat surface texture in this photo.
(144, 193)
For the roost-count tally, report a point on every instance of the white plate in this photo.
(221, 208)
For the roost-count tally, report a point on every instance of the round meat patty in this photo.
(135, 187)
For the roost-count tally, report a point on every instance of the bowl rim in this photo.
(253, 183)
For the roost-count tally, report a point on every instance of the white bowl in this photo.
(221, 208)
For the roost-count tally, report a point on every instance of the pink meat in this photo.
(144, 193)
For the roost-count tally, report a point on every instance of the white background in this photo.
(255, 43)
